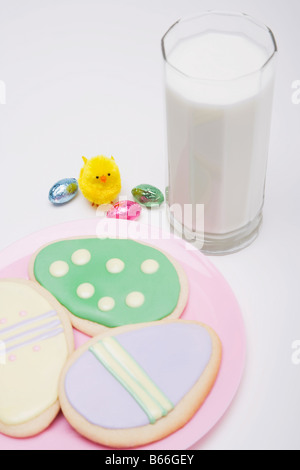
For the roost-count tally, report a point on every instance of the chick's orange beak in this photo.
(103, 179)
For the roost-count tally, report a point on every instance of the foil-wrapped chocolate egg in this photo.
(63, 191)
(128, 210)
(148, 195)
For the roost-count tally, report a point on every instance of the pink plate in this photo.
(211, 301)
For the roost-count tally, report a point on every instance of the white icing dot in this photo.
(59, 269)
(81, 257)
(150, 266)
(86, 291)
(135, 299)
(115, 265)
(106, 303)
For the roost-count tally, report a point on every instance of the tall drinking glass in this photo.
(219, 78)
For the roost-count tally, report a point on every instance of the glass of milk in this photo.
(219, 76)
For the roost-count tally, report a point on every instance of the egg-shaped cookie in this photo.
(36, 339)
(108, 283)
(137, 384)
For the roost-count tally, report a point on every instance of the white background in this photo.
(84, 77)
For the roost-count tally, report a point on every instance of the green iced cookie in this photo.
(111, 282)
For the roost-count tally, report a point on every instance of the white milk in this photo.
(218, 128)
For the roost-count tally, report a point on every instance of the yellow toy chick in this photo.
(100, 180)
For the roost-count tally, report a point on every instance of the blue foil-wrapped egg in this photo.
(63, 191)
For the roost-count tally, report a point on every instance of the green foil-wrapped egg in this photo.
(148, 195)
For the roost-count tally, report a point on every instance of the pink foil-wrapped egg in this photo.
(128, 210)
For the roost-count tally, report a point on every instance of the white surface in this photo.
(85, 77)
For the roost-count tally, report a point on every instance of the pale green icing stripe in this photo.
(151, 409)
(124, 368)
(137, 373)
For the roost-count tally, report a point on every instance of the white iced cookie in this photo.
(36, 339)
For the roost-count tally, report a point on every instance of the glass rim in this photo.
(225, 13)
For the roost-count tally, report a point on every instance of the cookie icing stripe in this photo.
(150, 407)
(16, 326)
(41, 337)
(46, 326)
(129, 375)
(137, 373)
